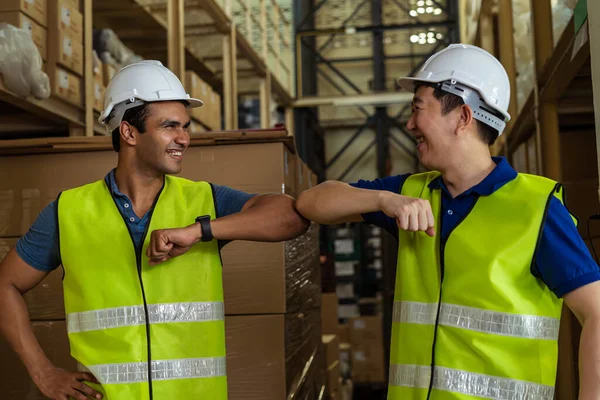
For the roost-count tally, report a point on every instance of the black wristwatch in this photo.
(204, 221)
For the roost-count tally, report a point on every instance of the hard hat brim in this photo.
(409, 83)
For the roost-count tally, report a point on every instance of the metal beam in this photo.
(379, 77)
(356, 160)
(336, 86)
(370, 59)
(310, 15)
(381, 27)
(404, 147)
(352, 15)
(347, 144)
(331, 66)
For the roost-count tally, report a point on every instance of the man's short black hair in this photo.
(136, 117)
(451, 102)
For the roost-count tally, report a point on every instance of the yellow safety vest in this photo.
(470, 320)
(125, 317)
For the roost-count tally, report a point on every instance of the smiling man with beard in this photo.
(486, 255)
(140, 249)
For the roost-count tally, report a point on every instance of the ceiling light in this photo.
(437, 11)
(431, 40)
(420, 3)
(422, 41)
(414, 38)
(439, 36)
(430, 34)
(387, 40)
(420, 10)
(429, 2)
(413, 13)
(429, 10)
(422, 35)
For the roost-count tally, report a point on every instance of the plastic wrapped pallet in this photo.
(303, 289)
(21, 64)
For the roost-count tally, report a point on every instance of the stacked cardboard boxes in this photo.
(29, 15)
(332, 361)
(272, 290)
(99, 84)
(209, 114)
(366, 341)
(65, 50)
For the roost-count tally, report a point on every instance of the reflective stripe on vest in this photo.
(161, 370)
(468, 383)
(475, 319)
(135, 315)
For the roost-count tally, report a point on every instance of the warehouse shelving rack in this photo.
(209, 37)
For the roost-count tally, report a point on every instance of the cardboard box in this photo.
(68, 52)
(366, 329)
(329, 313)
(333, 375)
(37, 32)
(255, 357)
(199, 89)
(343, 333)
(63, 17)
(108, 71)
(366, 339)
(66, 85)
(35, 9)
(15, 383)
(268, 354)
(99, 89)
(302, 176)
(332, 349)
(215, 111)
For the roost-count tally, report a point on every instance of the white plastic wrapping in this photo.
(21, 63)
(113, 51)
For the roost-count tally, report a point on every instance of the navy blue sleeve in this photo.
(391, 184)
(39, 246)
(563, 261)
(229, 201)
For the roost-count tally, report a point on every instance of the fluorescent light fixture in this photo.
(414, 38)
(420, 10)
(413, 13)
(437, 11)
(429, 10)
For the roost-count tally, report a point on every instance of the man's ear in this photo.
(465, 119)
(128, 133)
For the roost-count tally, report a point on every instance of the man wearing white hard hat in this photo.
(485, 256)
(140, 249)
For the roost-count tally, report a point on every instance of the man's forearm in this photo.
(589, 360)
(16, 329)
(271, 218)
(335, 202)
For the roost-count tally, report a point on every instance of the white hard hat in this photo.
(473, 74)
(144, 81)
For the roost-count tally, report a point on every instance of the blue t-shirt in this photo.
(39, 247)
(563, 262)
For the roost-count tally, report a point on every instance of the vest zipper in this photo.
(442, 271)
(138, 260)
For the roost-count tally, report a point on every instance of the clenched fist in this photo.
(411, 214)
(168, 243)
